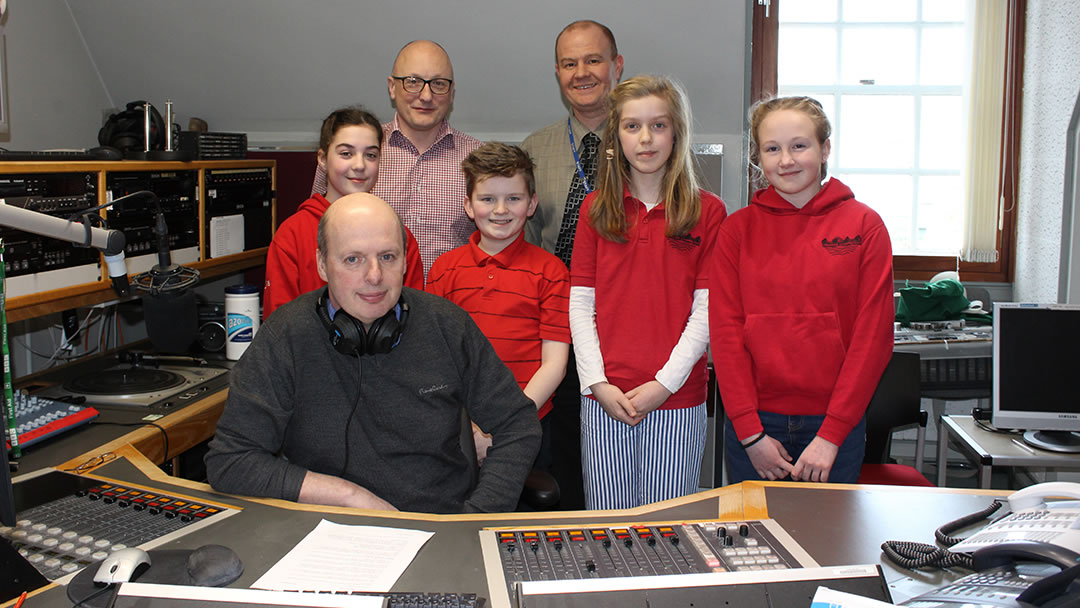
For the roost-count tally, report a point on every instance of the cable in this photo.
(108, 587)
(942, 533)
(164, 433)
(993, 429)
(356, 406)
(55, 356)
(915, 556)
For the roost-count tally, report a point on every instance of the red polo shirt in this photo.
(645, 291)
(517, 297)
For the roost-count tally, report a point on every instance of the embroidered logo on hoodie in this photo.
(685, 242)
(841, 246)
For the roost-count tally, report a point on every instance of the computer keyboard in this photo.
(98, 153)
(38, 418)
(416, 599)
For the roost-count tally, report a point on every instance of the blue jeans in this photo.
(795, 433)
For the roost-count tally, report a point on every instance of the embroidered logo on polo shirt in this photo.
(432, 389)
(685, 242)
(841, 246)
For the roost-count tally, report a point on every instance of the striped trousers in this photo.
(628, 466)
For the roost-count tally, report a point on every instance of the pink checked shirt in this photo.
(427, 190)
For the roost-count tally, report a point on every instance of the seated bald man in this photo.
(352, 395)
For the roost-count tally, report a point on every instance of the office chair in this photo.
(896, 403)
(946, 379)
(541, 491)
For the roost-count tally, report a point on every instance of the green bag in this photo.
(938, 301)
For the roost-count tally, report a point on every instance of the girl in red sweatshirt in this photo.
(350, 144)
(801, 308)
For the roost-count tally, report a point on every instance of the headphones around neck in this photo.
(348, 335)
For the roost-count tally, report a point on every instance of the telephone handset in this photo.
(1029, 558)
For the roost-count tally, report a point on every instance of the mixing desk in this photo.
(37, 418)
(63, 535)
(513, 556)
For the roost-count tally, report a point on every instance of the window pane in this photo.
(876, 131)
(876, 10)
(940, 10)
(828, 103)
(941, 143)
(940, 215)
(812, 11)
(943, 56)
(891, 196)
(795, 64)
(884, 55)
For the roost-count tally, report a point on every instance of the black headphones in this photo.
(349, 336)
(124, 130)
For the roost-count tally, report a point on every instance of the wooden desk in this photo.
(836, 524)
(186, 427)
(988, 449)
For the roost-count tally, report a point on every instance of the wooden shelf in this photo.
(28, 306)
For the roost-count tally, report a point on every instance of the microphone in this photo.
(118, 273)
(111, 242)
(169, 306)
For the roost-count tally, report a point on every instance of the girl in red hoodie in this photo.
(801, 308)
(350, 143)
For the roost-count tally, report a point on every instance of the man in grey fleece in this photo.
(306, 422)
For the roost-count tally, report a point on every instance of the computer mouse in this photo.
(106, 153)
(122, 566)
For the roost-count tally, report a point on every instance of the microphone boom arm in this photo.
(110, 242)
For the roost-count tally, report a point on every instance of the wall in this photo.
(275, 68)
(56, 97)
(1051, 83)
(53, 89)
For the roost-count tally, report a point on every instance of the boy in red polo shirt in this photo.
(516, 292)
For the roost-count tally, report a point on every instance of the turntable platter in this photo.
(124, 381)
(140, 385)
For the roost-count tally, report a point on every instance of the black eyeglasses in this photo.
(415, 84)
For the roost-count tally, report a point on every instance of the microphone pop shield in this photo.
(172, 320)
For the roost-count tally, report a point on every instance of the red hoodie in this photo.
(801, 309)
(290, 262)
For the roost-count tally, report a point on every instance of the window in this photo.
(891, 76)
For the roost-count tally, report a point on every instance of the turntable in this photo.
(141, 381)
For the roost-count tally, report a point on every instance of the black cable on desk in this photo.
(942, 533)
(914, 556)
(111, 587)
(993, 429)
(164, 434)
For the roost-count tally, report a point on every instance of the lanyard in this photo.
(577, 159)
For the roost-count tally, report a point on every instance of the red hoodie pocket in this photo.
(795, 352)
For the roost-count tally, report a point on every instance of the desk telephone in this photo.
(1028, 558)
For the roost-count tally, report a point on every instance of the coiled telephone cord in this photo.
(914, 556)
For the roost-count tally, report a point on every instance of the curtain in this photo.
(982, 180)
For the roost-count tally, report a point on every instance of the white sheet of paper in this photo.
(226, 235)
(336, 557)
(831, 598)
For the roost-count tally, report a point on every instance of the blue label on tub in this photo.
(239, 328)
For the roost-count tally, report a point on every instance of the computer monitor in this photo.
(1036, 380)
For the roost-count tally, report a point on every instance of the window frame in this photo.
(763, 83)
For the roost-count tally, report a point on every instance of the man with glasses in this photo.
(420, 169)
(587, 66)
